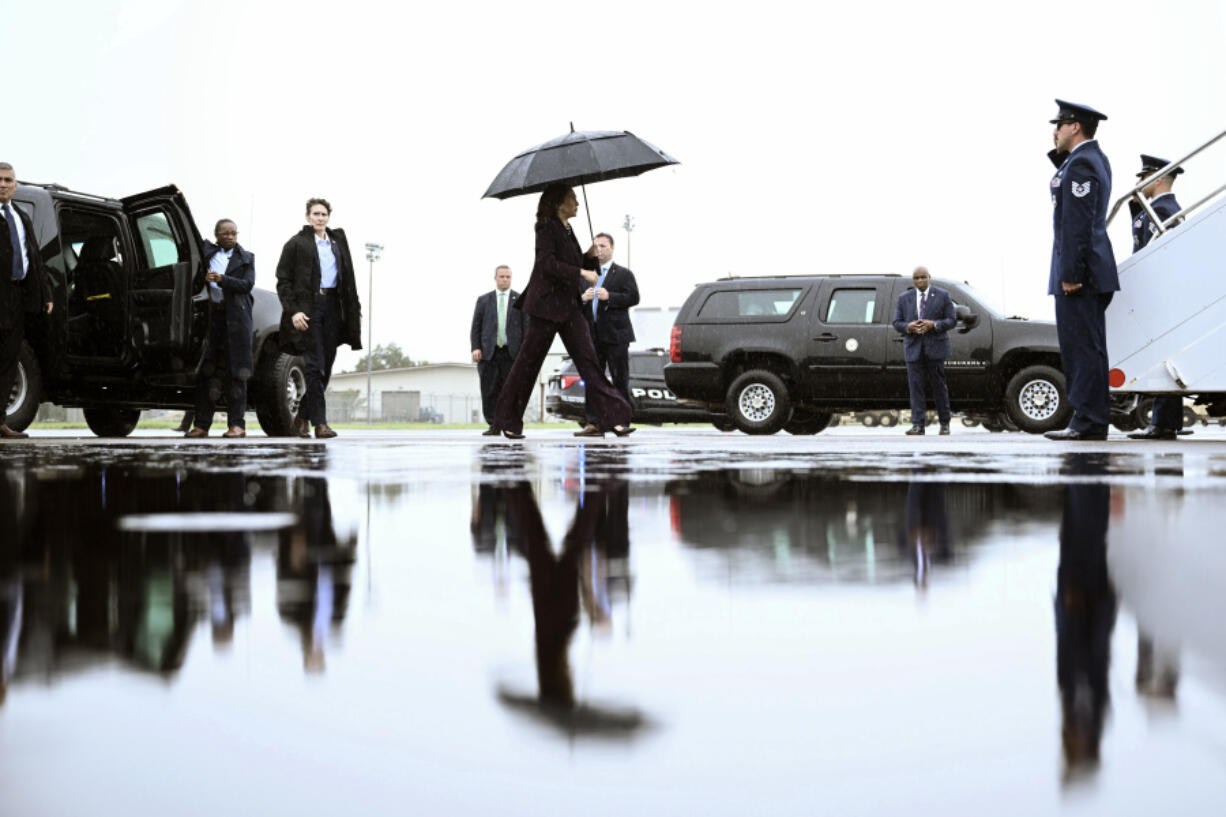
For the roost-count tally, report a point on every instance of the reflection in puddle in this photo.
(799, 635)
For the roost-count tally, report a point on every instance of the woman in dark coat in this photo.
(319, 309)
(227, 362)
(552, 299)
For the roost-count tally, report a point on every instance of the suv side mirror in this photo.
(966, 317)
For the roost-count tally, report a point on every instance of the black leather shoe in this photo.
(490, 432)
(1070, 434)
(945, 430)
(623, 431)
(1154, 433)
(512, 435)
(914, 430)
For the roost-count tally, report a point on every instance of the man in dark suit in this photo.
(1167, 418)
(228, 358)
(24, 287)
(606, 307)
(923, 316)
(496, 332)
(1083, 277)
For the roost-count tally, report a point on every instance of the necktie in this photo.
(923, 303)
(599, 284)
(502, 319)
(19, 269)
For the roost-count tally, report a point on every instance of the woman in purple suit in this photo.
(552, 299)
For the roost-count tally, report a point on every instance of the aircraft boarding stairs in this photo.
(1166, 328)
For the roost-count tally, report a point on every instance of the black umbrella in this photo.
(577, 158)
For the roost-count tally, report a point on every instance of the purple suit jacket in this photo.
(553, 290)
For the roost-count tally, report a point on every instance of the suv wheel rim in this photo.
(1039, 400)
(295, 389)
(756, 402)
(17, 397)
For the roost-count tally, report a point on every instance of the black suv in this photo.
(788, 352)
(131, 312)
(651, 400)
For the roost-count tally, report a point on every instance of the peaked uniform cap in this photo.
(1072, 112)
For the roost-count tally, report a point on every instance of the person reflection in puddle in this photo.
(558, 582)
(926, 535)
(1085, 615)
(10, 630)
(313, 574)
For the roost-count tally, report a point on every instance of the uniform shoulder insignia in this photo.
(1081, 190)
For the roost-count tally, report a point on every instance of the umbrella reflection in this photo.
(562, 584)
(1085, 608)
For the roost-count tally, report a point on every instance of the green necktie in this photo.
(502, 319)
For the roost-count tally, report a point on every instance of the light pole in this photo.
(628, 226)
(373, 253)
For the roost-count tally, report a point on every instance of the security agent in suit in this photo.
(1167, 418)
(24, 287)
(496, 332)
(228, 359)
(606, 307)
(924, 315)
(1083, 278)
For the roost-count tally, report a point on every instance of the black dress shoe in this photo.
(512, 435)
(1154, 433)
(945, 430)
(1073, 434)
(914, 430)
(624, 431)
(490, 432)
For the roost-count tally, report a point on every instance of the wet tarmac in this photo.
(675, 623)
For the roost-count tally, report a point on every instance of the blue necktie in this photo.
(923, 303)
(595, 300)
(19, 269)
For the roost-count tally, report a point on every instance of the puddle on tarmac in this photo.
(587, 630)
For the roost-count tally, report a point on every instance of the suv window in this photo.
(749, 303)
(851, 306)
(651, 365)
(157, 240)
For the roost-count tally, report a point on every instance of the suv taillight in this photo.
(569, 380)
(674, 345)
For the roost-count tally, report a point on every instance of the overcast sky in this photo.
(864, 138)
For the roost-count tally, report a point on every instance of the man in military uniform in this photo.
(1167, 417)
(1083, 278)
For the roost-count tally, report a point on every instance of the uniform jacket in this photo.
(298, 276)
(613, 316)
(1081, 194)
(940, 309)
(34, 293)
(484, 334)
(553, 289)
(236, 286)
(1143, 228)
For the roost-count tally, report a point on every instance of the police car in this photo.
(651, 399)
(789, 352)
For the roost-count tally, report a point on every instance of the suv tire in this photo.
(280, 385)
(808, 422)
(758, 402)
(111, 422)
(22, 402)
(724, 424)
(1036, 399)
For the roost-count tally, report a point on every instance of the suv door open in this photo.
(168, 259)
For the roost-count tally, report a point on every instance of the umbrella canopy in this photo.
(576, 159)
